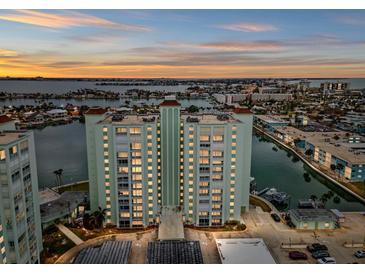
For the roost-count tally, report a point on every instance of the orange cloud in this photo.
(7, 53)
(244, 46)
(248, 27)
(66, 20)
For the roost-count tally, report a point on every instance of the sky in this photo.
(182, 43)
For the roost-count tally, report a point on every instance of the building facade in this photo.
(199, 164)
(20, 224)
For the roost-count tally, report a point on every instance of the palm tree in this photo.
(58, 174)
(313, 197)
(99, 217)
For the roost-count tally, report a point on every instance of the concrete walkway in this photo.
(171, 225)
(69, 234)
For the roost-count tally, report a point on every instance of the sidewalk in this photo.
(69, 234)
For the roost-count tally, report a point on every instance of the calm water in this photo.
(59, 87)
(272, 168)
(64, 147)
(102, 102)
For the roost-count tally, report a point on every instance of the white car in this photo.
(327, 260)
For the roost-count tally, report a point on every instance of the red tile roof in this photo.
(95, 111)
(169, 103)
(5, 119)
(242, 111)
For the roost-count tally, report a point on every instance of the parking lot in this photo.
(260, 224)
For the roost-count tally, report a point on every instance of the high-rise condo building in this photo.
(196, 163)
(20, 224)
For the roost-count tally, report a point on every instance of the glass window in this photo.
(135, 130)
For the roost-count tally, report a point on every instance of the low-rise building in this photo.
(314, 218)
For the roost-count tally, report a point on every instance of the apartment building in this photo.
(198, 164)
(20, 225)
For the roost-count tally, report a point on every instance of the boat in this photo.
(274, 196)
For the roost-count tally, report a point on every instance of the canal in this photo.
(64, 147)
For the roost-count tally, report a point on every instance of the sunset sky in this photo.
(182, 43)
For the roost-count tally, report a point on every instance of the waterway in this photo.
(281, 169)
(64, 147)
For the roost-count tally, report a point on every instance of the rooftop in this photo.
(96, 111)
(271, 119)
(5, 119)
(244, 251)
(341, 148)
(174, 252)
(56, 208)
(109, 252)
(7, 137)
(312, 214)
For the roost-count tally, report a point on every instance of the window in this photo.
(137, 169)
(135, 131)
(204, 152)
(217, 177)
(137, 162)
(217, 153)
(217, 138)
(122, 130)
(204, 138)
(123, 169)
(136, 145)
(123, 154)
(204, 161)
(2, 155)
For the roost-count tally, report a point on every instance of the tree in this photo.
(192, 109)
(313, 197)
(99, 217)
(58, 174)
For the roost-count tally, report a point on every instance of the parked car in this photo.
(360, 254)
(316, 247)
(290, 224)
(297, 255)
(327, 260)
(275, 217)
(320, 254)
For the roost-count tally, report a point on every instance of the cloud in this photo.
(8, 53)
(248, 27)
(351, 20)
(66, 19)
(244, 46)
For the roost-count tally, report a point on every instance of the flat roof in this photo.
(211, 118)
(312, 214)
(7, 137)
(244, 251)
(174, 252)
(48, 195)
(109, 252)
(351, 152)
(64, 205)
(271, 119)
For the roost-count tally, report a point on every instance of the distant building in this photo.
(230, 99)
(334, 86)
(139, 163)
(337, 151)
(270, 122)
(20, 225)
(57, 114)
(271, 97)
